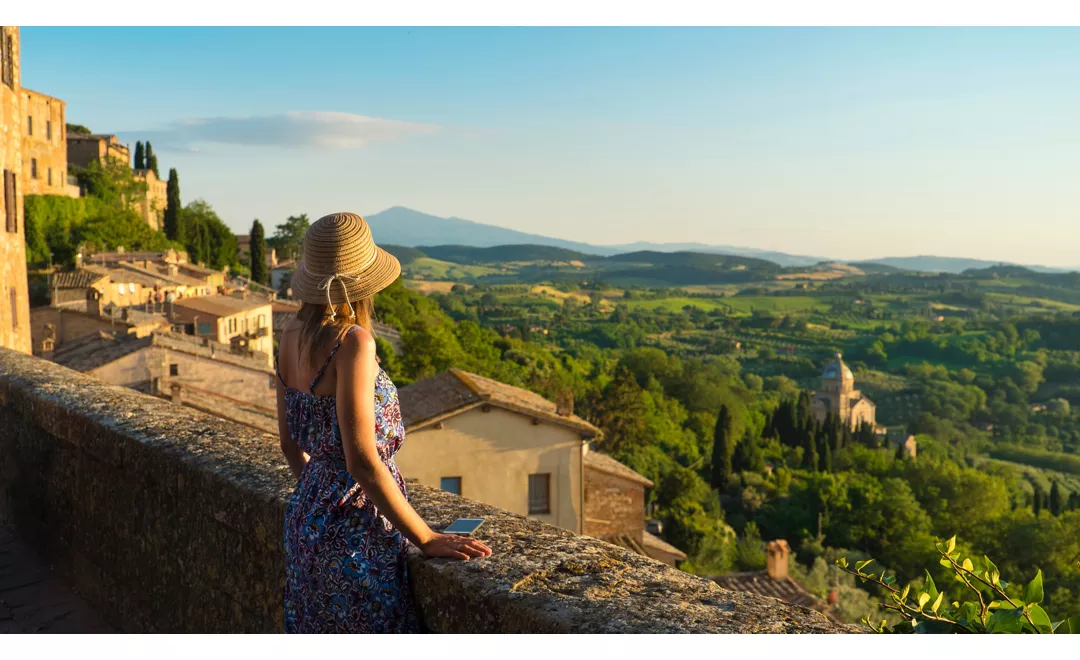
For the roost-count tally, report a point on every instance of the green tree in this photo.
(722, 453)
(288, 237)
(151, 161)
(140, 156)
(174, 230)
(258, 253)
(1057, 501)
(208, 240)
(621, 411)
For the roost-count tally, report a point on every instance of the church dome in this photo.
(838, 371)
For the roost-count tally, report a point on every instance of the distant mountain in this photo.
(408, 228)
(463, 254)
(403, 226)
(932, 264)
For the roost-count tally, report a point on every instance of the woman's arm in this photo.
(356, 373)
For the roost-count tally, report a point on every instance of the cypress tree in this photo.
(151, 160)
(140, 156)
(811, 451)
(258, 253)
(173, 229)
(1036, 502)
(1056, 500)
(722, 450)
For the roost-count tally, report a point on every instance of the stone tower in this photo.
(14, 299)
(839, 397)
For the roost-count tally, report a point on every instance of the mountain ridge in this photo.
(399, 225)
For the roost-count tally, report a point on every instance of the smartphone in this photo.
(464, 526)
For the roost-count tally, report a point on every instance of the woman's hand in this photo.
(454, 547)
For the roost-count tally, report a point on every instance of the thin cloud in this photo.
(324, 130)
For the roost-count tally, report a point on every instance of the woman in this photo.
(348, 522)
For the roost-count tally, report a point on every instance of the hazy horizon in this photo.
(841, 143)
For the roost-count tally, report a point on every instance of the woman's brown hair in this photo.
(316, 324)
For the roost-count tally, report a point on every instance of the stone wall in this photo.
(613, 506)
(46, 147)
(169, 520)
(14, 296)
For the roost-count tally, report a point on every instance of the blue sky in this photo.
(846, 143)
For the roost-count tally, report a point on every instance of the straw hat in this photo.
(342, 263)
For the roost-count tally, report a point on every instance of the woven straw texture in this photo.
(340, 257)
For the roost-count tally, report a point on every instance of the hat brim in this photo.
(380, 274)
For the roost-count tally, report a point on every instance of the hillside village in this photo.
(725, 414)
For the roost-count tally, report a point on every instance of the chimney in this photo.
(777, 563)
(174, 270)
(93, 302)
(564, 405)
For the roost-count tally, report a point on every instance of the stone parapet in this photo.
(166, 519)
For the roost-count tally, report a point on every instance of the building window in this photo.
(30, 125)
(174, 370)
(7, 57)
(451, 485)
(50, 176)
(48, 129)
(14, 310)
(540, 493)
(10, 208)
(204, 328)
(33, 168)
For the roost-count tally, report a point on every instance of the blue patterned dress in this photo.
(345, 563)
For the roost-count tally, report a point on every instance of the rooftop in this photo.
(221, 305)
(80, 278)
(101, 348)
(456, 391)
(762, 584)
(607, 464)
(151, 276)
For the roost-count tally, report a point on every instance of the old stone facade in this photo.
(614, 499)
(839, 397)
(85, 149)
(152, 206)
(243, 320)
(14, 298)
(44, 146)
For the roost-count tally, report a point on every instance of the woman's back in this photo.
(334, 535)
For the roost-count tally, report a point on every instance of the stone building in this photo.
(496, 444)
(242, 321)
(839, 397)
(152, 205)
(126, 284)
(615, 508)
(14, 298)
(53, 327)
(509, 447)
(206, 376)
(44, 146)
(85, 149)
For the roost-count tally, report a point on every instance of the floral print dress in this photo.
(345, 563)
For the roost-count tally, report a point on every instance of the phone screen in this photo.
(463, 526)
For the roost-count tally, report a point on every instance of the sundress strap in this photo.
(326, 364)
(277, 368)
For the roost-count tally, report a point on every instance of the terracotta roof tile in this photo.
(787, 589)
(456, 390)
(653, 542)
(80, 278)
(607, 464)
(221, 305)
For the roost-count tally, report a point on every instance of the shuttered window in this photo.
(540, 493)
(11, 218)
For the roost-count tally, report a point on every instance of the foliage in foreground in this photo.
(924, 610)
